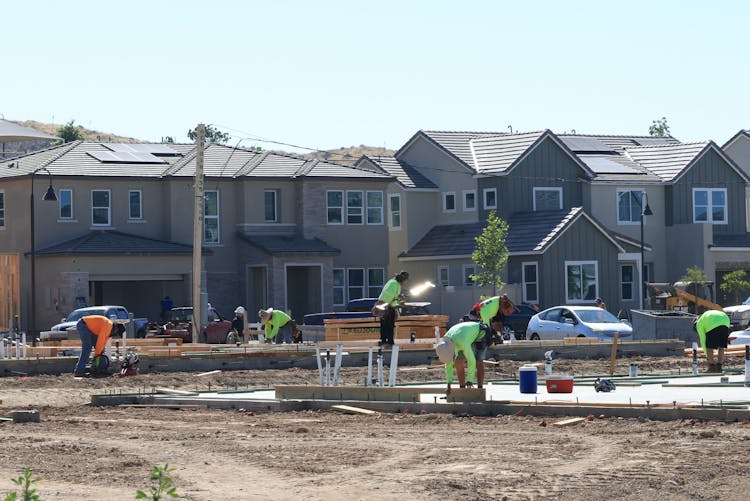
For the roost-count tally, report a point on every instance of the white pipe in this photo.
(337, 365)
(368, 381)
(437, 334)
(394, 366)
(25, 346)
(320, 367)
(380, 368)
(2, 349)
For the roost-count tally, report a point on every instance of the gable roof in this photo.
(11, 132)
(492, 154)
(289, 244)
(742, 133)
(528, 233)
(111, 242)
(406, 175)
(453, 143)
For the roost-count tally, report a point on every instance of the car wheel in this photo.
(233, 337)
(141, 333)
(508, 332)
(535, 337)
(580, 335)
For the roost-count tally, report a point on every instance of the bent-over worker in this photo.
(457, 348)
(713, 331)
(94, 331)
(493, 311)
(278, 325)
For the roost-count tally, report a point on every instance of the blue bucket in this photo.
(527, 377)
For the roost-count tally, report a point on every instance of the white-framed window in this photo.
(629, 206)
(374, 201)
(443, 275)
(710, 205)
(269, 206)
(375, 281)
(627, 281)
(467, 271)
(470, 200)
(490, 198)
(354, 207)
(135, 204)
(355, 283)
(211, 217)
(449, 201)
(548, 198)
(101, 210)
(394, 207)
(2, 209)
(530, 279)
(339, 283)
(581, 281)
(65, 204)
(335, 207)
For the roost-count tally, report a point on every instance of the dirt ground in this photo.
(88, 453)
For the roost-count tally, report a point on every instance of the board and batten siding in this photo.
(710, 171)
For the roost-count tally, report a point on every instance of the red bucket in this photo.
(560, 384)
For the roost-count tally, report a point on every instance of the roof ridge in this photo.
(669, 145)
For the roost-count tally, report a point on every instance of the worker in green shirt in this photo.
(278, 325)
(713, 331)
(385, 307)
(459, 347)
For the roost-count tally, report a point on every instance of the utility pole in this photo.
(198, 232)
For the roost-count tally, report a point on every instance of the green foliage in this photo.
(491, 254)
(659, 127)
(213, 135)
(734, 283)
(25, 481)
(70, 132)
(163, 485)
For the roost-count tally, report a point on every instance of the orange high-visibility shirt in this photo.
(102, 327)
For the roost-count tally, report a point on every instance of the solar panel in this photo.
(125, 157)
(606, 165)
(152, 148)
(585, 144)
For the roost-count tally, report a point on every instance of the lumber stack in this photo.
(364, 329)
(735, 349)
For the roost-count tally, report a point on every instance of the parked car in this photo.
(576, 321)
(516, 324)
(739, 337)
(362, 308)
(739, 315)
(218, 330)
(109, 311)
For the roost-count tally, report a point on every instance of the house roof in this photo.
(289, 244)
(99, 242)
(741, 133)
(11, 132)
(454, 143)
(406, 175)
(495, 154)
(666, 161)
(528, 233)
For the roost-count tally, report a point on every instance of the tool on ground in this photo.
(633, 370)
(129, 365)
(605, 385)
(695, 359)
(548, 362)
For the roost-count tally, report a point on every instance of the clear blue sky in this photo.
(326, 74)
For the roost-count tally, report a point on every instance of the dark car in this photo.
(218, 330)
(515, 324)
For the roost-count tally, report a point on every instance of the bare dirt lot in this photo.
(88, 453)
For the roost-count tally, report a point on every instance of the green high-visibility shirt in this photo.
(708, 321)
(278, 319)
(489, 308)
(390, 292)
(463, 336)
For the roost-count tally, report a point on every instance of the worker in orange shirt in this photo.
(94, 331)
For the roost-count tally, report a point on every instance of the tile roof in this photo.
(446, 240)
(406, 175)
(666, 161)
(494, 154)
(10, 131)
(98, 242)
(616, 143)
(289, 244)
(742, 240)
(456, 143)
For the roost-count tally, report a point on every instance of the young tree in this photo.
(213, 135)
(696, 277)
(659, 127)
(734, 283)
(70, 132)
(491, 254)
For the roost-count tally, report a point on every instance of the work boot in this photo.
(717, 368)
(711, 368)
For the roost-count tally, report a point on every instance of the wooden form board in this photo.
(375, 394)
(348, 409)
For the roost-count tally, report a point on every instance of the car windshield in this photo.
(78, 314)
(598, 316)
(181, 316)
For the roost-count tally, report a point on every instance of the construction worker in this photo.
(278, 325)
(457, 348)
(713, 331)
(600, 303)
(492, 312)
(390, 298)
(95, 331)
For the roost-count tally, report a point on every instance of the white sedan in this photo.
(739, 337)
(576, 321)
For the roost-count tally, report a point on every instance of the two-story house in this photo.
(280, 231)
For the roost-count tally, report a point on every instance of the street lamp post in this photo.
(645, 211)
(50, 197)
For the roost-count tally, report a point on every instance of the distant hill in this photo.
(341, 155)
